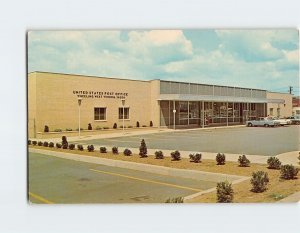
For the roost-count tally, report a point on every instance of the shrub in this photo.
(115, 126)
(175, 155)
(196, 158)
(137, 124)
(79, 147)
(259, 181)
(273, 163)
(51, 144)
(45, 144)
(130, 126)
(77, 129)
(121, 126)
(46, 129)
(115, 150)
(175, 200)
(98, 127)
(58, 130)
(34, 143)
(105, 127)
(151, 124)
(40, 143)
(143, 149)
(220, 158)
(243, 161)
(58, 145)
(103, 149)
(144, 125)
(159, 154)
(29, 142)
(224, 192)
(90, 148)
(127, 152)
(68, 129)
(72, 146)
(90, 126)
(64, 142)
(288, 172)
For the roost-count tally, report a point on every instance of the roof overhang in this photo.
(182, 97)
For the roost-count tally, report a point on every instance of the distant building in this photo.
(296, 105)
(53, 101)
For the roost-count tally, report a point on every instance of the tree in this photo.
(143, 149)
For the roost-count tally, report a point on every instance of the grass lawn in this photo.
(277, 188)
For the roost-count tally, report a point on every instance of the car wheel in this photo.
(250, 125)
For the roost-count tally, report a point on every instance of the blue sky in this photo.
(265, 59)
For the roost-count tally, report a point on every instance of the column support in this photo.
(202, 114)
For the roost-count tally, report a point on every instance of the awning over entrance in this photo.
(210, 98)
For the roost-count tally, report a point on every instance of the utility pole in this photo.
(290, 89)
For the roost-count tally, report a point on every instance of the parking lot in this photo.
(56, 180)
(247, 140)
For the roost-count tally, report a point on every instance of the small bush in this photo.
(90, 126)
(64, 142)
(224, 192)
(151, 124)
(243, 161)
(40, 143)
(79, 147)
(98, 127)
(175, 155)
(103, 149)
(273, 163)
(159, 154)
(288, 172)
(34, 143)
(105, 127)
(137, 124)
(121, 126)
(90, 148)
(58, 130)
(144, 125)
(220, 158)
(72, 146)
(68, 129)
(77, 129)
(29, 142)
(51, 144)
(143, 149)
(129, 127)
(58, 145)
(175, 200)
(259, 181)
(115, 126)
(127, 152)
(196, 158)
(45, 144)
(46, 129)
(115, 150)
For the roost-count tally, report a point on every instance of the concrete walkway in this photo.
(292, 198)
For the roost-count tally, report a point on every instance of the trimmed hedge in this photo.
(175, 155)
(45, 144)
(51, 144)
(90, 148)
(159, 154)
(103, 149)
(195, 158)
(40, 143)
(127, 152)
(72, 146)
(34, 143)
(58, 145)
(115, 150)
(143, 149)
(79, 147)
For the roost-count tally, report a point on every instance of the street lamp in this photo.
(123, 104)
(79, 103)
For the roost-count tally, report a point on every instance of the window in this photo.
(271, 111)
(126, 113)
(99, 114)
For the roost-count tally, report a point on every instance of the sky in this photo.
(264, 59)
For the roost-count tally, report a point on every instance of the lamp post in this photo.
(123, 104)
(79, 103)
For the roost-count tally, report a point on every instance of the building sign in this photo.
(100, 94)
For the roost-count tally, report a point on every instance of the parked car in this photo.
(295, 120)
(262, 121)
(282, 121)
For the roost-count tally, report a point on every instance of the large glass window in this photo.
(99, 114)
(126, 113)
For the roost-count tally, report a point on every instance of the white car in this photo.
(263, 121)
(282, 121)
